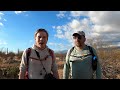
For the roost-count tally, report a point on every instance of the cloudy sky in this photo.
(17, 28)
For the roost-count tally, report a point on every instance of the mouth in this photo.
(41, 43)
(78, 43)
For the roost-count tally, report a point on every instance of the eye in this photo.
(74, 37)
(44, 37)
(79, 37)
(39, 36)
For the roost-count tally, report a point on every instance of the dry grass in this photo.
(60, 71)
(110, 62)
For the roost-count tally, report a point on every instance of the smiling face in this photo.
(41, 39)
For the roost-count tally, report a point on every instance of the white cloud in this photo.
(75, 13)
(59, 36)
(66, 31)
(96, 24)
(51, 43)
(118, 44)
(60, 45)
(105, 17)
(4, 20)
(78, 13)
(61, 14)
(1, 13)
(19, 12)
(106, 24)
(1, 24)
(1, 18)
(75, 24)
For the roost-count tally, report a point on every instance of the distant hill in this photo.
(110, 48)
(62, 51)
(65, 51)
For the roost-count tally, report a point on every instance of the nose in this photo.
(77, 39)
(41, 38)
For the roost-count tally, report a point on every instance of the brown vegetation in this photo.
(110, 63)
(109, 58)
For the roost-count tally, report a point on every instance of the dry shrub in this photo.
(109, 58)
(60, 64)
(110, 62)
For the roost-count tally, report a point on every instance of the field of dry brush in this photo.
(110, 62)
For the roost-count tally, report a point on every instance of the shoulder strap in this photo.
(40, 61)
(28, 54)
(90, 48)
(37, 54)
(51, 53)
(94, 59)
(70, 52)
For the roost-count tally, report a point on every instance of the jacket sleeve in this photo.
(66, 69)
(98, 71)
(23, 63)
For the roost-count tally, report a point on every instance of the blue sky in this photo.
(17, 28)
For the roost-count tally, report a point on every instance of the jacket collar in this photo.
(36, 48)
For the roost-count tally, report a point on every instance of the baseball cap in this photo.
(79, 33)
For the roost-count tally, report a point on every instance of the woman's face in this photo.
(41, 39)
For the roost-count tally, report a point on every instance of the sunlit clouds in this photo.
(96, 24)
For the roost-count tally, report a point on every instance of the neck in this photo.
(40, 47)
(80, 47)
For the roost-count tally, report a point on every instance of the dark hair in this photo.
(41, 29)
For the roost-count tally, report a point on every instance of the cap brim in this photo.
(75, 34)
